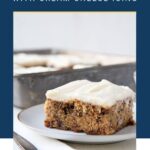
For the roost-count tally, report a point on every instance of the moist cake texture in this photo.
(99, 108)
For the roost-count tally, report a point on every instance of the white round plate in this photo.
(33, 118)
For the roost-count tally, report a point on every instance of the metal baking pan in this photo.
(30, 89)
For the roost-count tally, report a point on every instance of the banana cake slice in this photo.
(100, 108)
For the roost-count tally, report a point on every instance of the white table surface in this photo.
(44, 143)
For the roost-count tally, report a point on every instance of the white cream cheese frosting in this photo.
(82, 66)
(36, 69)
(102, 93)
(68, 60)
(29, 60)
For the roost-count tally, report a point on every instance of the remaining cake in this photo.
(25, 63)
(90, 107)
(30, 60)
(35, 69)
(62, 61)
(82, 66)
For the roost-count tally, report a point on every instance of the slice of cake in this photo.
(100, 108)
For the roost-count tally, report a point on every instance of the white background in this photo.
(6, 144)
(106, 32)
(142, 144)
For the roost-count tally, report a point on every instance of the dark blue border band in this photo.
(6, 85)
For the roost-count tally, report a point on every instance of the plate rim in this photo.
(63, 132)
